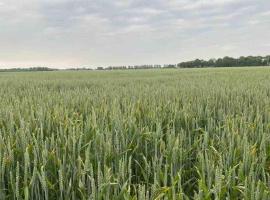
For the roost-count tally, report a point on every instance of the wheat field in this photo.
(135, 134)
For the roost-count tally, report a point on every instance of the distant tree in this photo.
(267, 59)
(227, 62)
(33, 69)
(169, 66)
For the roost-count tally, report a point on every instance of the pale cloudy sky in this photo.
(75, 33)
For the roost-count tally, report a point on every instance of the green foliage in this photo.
(141, 135)
(228, 62)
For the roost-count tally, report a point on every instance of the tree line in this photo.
(197, 63)
(227, 62)
(32, 69)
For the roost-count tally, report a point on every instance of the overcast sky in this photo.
(77, 33)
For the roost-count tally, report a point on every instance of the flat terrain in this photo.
(142, 134)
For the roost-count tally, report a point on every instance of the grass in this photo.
(150, 134)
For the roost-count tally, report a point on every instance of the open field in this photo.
(149, 134)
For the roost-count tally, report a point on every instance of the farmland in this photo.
(135, 134)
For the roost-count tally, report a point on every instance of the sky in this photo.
(91, 33)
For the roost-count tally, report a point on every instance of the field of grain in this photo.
(142, 134)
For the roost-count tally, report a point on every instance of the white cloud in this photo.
(228, 47)
(124, 32)
(265, 14)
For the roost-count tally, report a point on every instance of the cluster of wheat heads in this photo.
(157, 134)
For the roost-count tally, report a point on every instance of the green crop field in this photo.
(135, 134)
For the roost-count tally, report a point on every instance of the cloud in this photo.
(228, 47)
(130, 32)
(265, 14)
